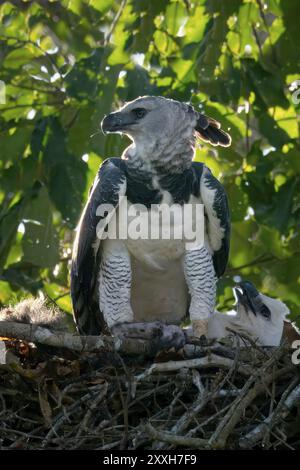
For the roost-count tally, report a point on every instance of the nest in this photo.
(204, 397)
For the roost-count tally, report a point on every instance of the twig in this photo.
(289, 399)
(264, 258)
(193, 442)
(253, 387)
(115, 22)
(202, 362)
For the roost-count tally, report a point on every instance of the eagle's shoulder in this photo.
(106, 186)
(113, 166)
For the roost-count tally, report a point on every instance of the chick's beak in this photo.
(248, 296)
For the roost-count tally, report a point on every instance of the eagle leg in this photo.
(201, 280)
(115, 283)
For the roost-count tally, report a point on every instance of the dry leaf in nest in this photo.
(17, 346)
(60, 367)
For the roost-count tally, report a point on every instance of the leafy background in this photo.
(67, 63)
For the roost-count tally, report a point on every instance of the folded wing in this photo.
(108, 187)
(217, 216)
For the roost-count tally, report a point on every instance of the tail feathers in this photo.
(87, 317)
(86, 312)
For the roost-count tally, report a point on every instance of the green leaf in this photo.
(65, 174)
(40, 242)
(14, 141)
(9, 223)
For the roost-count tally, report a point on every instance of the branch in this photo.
(73, 342)
(255, 385)
(28, 41)
(115, 22)
(210, 361)
(31, 105)
(264, 258)
(256, 434)
(193, 442)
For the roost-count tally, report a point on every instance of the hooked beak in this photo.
(246, 294)
(116, 122)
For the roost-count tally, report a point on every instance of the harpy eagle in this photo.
(260, 317)
(124, 281)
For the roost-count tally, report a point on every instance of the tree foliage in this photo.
(67, 63)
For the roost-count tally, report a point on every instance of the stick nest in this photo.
(204, 397)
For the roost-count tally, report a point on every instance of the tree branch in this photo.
(193, 442)
(73, 342)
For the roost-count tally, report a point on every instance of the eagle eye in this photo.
(139, 112)
(265, 312)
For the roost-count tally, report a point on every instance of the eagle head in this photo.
(163, 131)
(151, 117)
(262, 315)
(160, 128)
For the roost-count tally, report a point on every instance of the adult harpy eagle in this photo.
(117, 281)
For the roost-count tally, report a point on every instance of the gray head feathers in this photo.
(163, 132)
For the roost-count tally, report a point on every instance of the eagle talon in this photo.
(204, 341)
(161, 335)
(171, 336)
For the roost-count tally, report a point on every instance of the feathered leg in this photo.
(115, 283)
(201, 280)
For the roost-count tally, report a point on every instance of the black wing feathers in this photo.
(221, 208)
(105, 190)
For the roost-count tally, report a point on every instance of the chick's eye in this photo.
(265, 311)
(139, 112)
